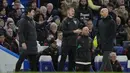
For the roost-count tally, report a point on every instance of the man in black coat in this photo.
(27, 39)
(83, 51)
(70, 29)
(106, 36)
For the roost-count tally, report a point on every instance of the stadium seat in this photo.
(122, 59)
(125, 44)
(128, 66)
(26, 65)
(119, 50)
(46, 64)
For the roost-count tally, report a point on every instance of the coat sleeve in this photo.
(113, 29)
(65, 30)
(21, 31)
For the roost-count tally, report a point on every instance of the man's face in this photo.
(121, 2)
(49, 7)
(60, 35)
(5, 4)
(118, 21)
(32, 13)
(109, 8)
(104, 12)
(83, 2)
(122, 8)
(34, 5)
(129, 22)
(105, 2)
(71, 12)
(85, 31)
(10, 32)
(113, 57)
(2, 38)
(90, 25)
(16, 6)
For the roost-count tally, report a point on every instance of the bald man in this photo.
(83, 56)
(106, 35)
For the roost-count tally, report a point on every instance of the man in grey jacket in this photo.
(27, 39)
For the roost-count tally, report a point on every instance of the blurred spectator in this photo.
(3, 14)
(2, 24)
(11, 41)
(128, 29)
(53, 30)
(5, 5)
(41, 28)
(2, 39)
(53, 52)
(59, 40)
(105, 2)
(121, 34)
(16, 12)
(34, 5)
(115, 64)
(122, 12)
(10, 24)
(90, 25)
(43, 10)
(111, 7)
(49, 9)
(83, 12)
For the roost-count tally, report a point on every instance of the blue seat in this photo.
(119, 50)
(46, 64)
(26, 65)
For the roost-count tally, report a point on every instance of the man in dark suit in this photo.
(27, 39)
(106, 36)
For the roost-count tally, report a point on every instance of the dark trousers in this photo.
(32, 61)
(83, 68)
(70, 51)
(106, 64)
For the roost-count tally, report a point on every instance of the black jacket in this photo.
(27, 34)
(116, 66)
(84, 13)
(106, 33)
(53, 52)
(68, 26)
(42, 32)
(83, 51)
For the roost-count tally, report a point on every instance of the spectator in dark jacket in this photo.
(52, 50)
(83, 51)
(42, 31)
(27, 39)
(115, 64)
(106, 36)
(121, 34)
(2, 39)
(83, 12)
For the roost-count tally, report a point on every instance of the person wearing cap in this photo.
(106, 35)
